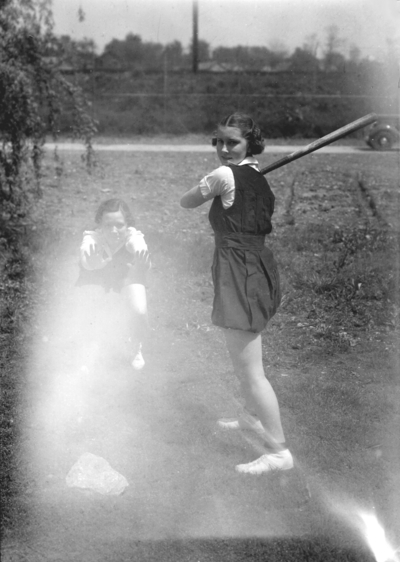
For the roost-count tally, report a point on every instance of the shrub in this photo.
(32, 96)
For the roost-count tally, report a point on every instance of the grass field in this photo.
(331, 353)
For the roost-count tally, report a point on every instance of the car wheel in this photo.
(382, 141)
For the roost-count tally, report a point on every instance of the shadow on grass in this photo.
(308, 549)
(235, 550)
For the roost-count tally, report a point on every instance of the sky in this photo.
(365, 23)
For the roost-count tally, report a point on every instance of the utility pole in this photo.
(165, 91)
(195, 43)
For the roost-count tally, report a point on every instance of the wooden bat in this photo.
(323, 141)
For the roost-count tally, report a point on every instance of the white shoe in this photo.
(271, 462)
(138, 362)
(243, 422)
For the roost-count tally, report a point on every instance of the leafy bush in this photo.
(32, 97)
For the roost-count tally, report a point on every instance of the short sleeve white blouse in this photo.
(222, 182)
(134, 242)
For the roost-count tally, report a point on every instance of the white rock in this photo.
(94, 473)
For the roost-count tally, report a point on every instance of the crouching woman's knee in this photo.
(135, 297)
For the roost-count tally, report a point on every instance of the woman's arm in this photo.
(193, 198)
(91, 253)
(135, 241)
(92, 258)
(137, 246)
(219, 182)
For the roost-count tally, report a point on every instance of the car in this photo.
(383, 133)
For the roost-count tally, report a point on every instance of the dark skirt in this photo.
(246, 288)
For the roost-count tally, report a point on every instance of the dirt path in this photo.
(157, 428)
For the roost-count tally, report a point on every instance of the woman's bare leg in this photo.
(135, 297)
(259, 396)
(246, 354)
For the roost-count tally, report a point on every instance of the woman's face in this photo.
(231, 145)
(114, 227)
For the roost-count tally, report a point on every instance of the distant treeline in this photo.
(153, 89)
(133, 54)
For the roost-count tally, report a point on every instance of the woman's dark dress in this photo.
(245, 275)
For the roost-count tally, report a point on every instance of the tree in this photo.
(278, 53)
(333, 59)
(226, 55)
(153, 56)
(259, 57)
(79, 55)
(304, 61)
(32, 97)
(354, 54)
(335, 62)
(132, 53)
(123, 53)
(174, 53)
(250, 58)
(333, 41)
(311, 44)
(203, 50)
(392, 58)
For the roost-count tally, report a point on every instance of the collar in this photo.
(249, 161)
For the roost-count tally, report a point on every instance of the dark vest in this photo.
(252, 209)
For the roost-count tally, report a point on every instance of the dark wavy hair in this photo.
(113, 206)
(250, 131)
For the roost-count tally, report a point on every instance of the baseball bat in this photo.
(323, 141)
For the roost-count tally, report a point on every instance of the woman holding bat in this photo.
(246, 280)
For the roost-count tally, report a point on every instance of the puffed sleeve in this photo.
(136, 241)
(219, 182)
(90, 240)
